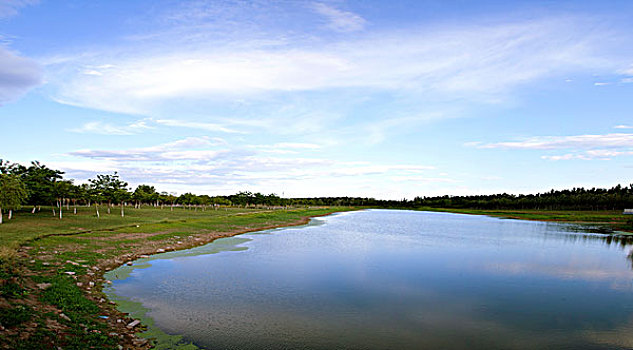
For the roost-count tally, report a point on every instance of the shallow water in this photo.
(382, 279)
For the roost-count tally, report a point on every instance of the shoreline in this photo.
(112, 264)
(89, 278)
(597, 219)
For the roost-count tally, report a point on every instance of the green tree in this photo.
(40, 183)
(12, 194)
(61, 191)
(112, 189)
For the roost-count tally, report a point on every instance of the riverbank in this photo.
(51, 271)
(607, 221)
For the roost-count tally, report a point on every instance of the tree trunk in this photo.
(61, 205)
(97, 209)
(10, 213)
(33, 211)
(67, 204)
(0, 215)
(109, 207)
(54, 212)
(122, 212)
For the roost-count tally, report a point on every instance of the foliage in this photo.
(110, 188)
(12, 192)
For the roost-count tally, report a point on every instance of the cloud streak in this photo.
(10, 8)
(339, 20)
(585, 147)
(616, 140)
(204, 162)
(478, 63)
(17, 75)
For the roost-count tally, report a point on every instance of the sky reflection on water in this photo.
(383, 279)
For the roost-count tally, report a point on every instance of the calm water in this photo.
(382, 279)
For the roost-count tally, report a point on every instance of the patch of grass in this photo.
(65, 294)
(16, 315)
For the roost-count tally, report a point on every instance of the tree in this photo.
(62, 190)
(145, 194)
(12, 194)
(112, 188)
(39, 182)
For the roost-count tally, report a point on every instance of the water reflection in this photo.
(398, 280)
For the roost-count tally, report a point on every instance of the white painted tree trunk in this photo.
(122, 211)
(33, 211)
(75, 210)
(54, 212)
(0, 215)
(61, 205)
(97, 209)
(108, 208)
(67, 204)
(10, 213)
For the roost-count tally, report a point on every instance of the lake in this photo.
(388, 279)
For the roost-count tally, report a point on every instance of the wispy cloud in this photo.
(10, 8)
(17, 74)
(209, 163)
(339, 20)
(180, 149)
(584, 147)
(98, 127)
(197, 125)
(561, 142)
(478, 63)
(602, 154)
(623, 126)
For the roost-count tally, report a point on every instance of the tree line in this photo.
(37, 185)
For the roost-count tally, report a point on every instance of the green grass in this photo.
(610, 218)
(14, 316)
(26, 226)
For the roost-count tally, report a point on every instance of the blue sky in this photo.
(389, 99)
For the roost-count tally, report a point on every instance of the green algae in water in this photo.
(136, 309)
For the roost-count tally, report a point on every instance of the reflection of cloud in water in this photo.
(621, 278)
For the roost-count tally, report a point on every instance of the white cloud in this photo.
(339, 20)
(10, 8)
(622, 126)
(196, 125)
(561, 142)
(586, 147)
(198, 164)
(478, 63)
(286, 147)
(17, 75)
(600, 154)
(101, 128)
(180, 149)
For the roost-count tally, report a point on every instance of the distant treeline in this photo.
(37, 185)
(615, 198)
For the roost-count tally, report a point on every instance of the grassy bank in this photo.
(51, 270)
(609, 220)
